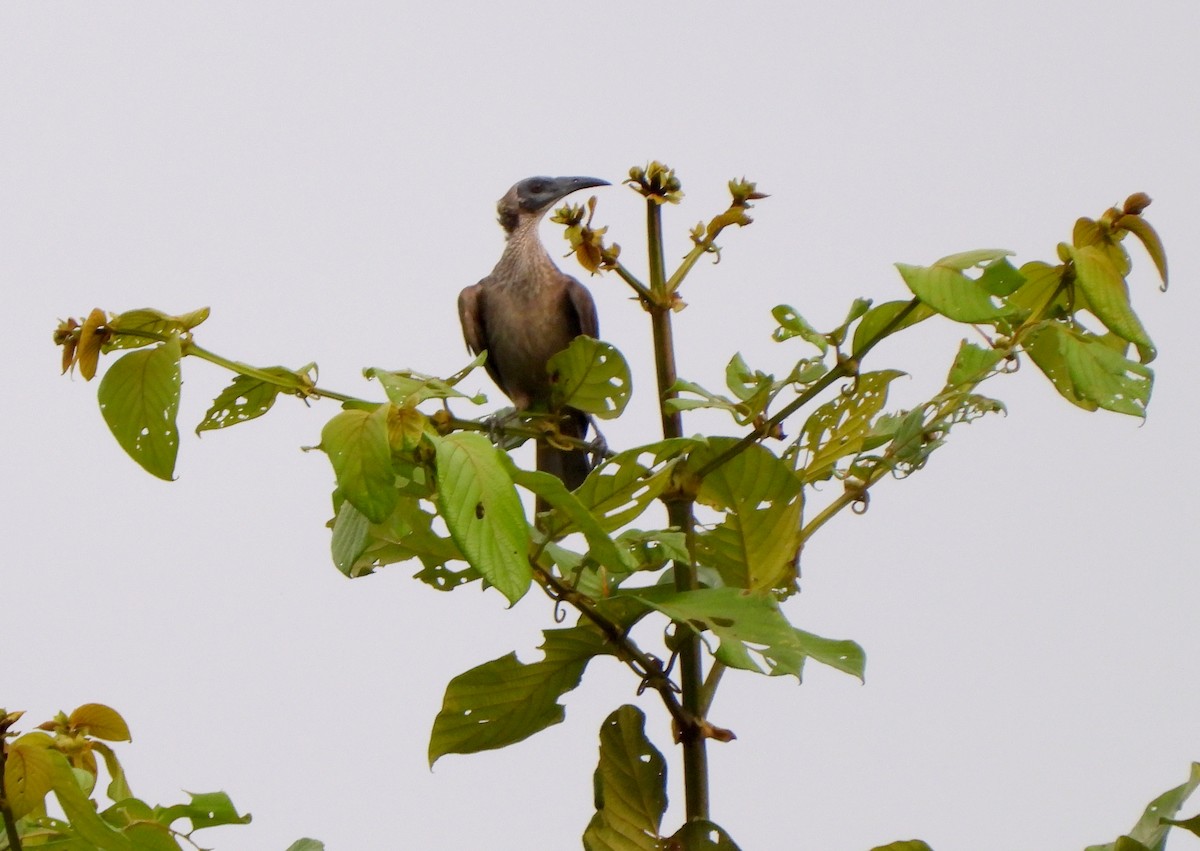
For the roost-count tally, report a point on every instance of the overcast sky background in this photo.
(324, 177)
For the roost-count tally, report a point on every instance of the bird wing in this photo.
(470, 314)
(584, 308)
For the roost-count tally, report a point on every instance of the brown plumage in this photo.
(526, 311)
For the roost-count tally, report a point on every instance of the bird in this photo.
(526, 311)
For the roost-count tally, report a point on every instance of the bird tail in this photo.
(570, 465)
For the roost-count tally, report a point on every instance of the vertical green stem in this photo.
(10, 827)
(10, 823)
(691, 668)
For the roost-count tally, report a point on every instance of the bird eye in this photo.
(537, 187)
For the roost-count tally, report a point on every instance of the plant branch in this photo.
(10, 823)
(649, 668)
(643, 293)
(843, 368)
(679, 513)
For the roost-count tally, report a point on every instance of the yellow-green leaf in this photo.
(356, 442)
(139, 398)
(1108, 297)
(1141, 228)
(483, 512)
(590, 376)
(28, 773)
(630, 787)
(506, 701)
(100, 721)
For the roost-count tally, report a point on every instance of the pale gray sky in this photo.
(324, 177)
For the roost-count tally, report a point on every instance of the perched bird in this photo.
(527, 311)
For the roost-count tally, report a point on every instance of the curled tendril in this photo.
(560, 610)
(1012, 363)
(861, 503)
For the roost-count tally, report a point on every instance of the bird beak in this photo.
(564, 186)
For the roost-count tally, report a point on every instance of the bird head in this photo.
(533, 196)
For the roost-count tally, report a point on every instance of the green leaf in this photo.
(701, 836)
(306, 845)
(408, 533)
(150, 322)
(118, 786)
(880, 316)
(945, 288)
(351, 536)
(1088, 372)
(356, 442)
(1001, 278)
(28, 773)
(80, 812)
(248, 397)
(630, 787)
(904, 845)
(842, 426)
(406, 388)
(549, 487)
(1042, 287)
(1151, 830)
(135, 819)
(1108, 297)
(139, 398)
(207, 809)
(792, 324)
(505, 701)
(740, 411)
(483, 512)
(748, 625)
(757, 544)
(858, 308)
(972, 364)
(590, 376)
(624, 486)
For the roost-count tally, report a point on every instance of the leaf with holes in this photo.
(506, 701)
(1151, 830)
(407, 388)
(136, 328)
(757, 544)
(945, 287)
(630, 787)
(750, 625)
(590, 376)
(624, 486)
(1088, 371)
(792, 324)
(207, 809)
(249, 397)
(139, 398)
(483, 512)
(842, 426)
